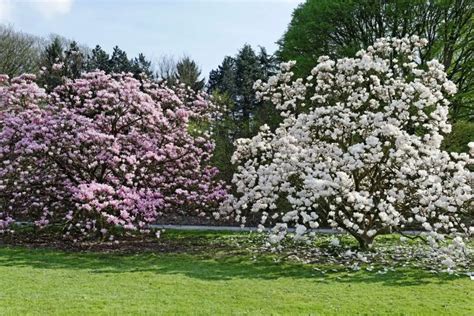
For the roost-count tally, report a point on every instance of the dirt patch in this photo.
(166, 244)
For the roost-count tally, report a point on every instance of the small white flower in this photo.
(335, 242)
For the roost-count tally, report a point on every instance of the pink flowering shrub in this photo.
(102, 151)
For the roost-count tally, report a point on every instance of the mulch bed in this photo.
(126, 244)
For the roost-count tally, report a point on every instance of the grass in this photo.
(213, 282)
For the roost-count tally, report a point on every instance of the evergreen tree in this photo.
(224, 132)
(231, 85)
(141, 66)
(247, 70)
(74, 61)
(53, 53)
(119, 61)
(188, 72)
(267, 62)
(52, 65)
(58, 63)
(99, 59)
(222, 79)
(235, 78)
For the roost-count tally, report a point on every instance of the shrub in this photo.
(103, 151)
(364, 153)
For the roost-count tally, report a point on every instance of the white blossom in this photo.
(365, 153)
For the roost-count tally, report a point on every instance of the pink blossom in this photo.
(102, 150)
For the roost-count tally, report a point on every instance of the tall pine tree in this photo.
(74, 61)
(231, 85)
(99, 59)
(235, 77)
(248, 70)
(223, 78)
(119, 61)
(188, 72)
(52, 64)
(141, 66)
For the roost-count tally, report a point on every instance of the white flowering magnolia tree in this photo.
(358, 150)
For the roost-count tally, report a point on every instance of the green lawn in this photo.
(44, 282)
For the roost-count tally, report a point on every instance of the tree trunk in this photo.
(365, 242)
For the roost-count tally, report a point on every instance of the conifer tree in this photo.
(52, 63)
(188, 72)
(119, 61)
(99, 59)
(140, 65)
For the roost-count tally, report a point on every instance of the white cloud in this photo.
(46, 8)
(50, 8)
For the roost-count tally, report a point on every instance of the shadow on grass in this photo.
(225, 267)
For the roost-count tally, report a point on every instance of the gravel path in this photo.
(251, 229)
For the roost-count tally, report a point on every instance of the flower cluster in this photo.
(358, 150)
(102, 151)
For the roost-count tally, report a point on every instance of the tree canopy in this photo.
(366, 154)
(339, 28)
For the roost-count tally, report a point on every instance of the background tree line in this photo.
(57, 57)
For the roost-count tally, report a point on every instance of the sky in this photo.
(205, 30)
